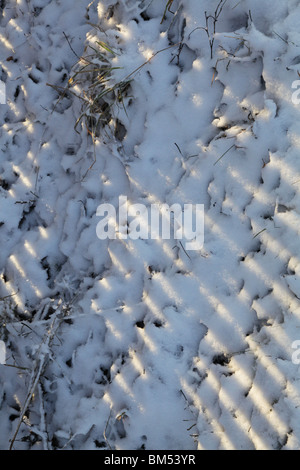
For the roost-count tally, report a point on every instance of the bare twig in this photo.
(40, 363)
(184, 250)
(168, 8)
(261, 231)
(211, 25)
(8, 296)
(104, 432)
(223, 155)
(70, 45)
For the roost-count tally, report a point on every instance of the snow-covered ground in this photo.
(139, 344)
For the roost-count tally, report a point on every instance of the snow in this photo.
(2, 352)
(138, 343)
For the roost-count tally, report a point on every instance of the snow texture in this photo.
(138, 344)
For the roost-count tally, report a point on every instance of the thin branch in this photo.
(70, 45)
(149, 60)
(8, 296)
(263, 230)
(223, 155)
(184, 249)
(104, 432)
(38, 369)
(211, 30)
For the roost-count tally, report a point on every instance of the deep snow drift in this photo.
(139, 344)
